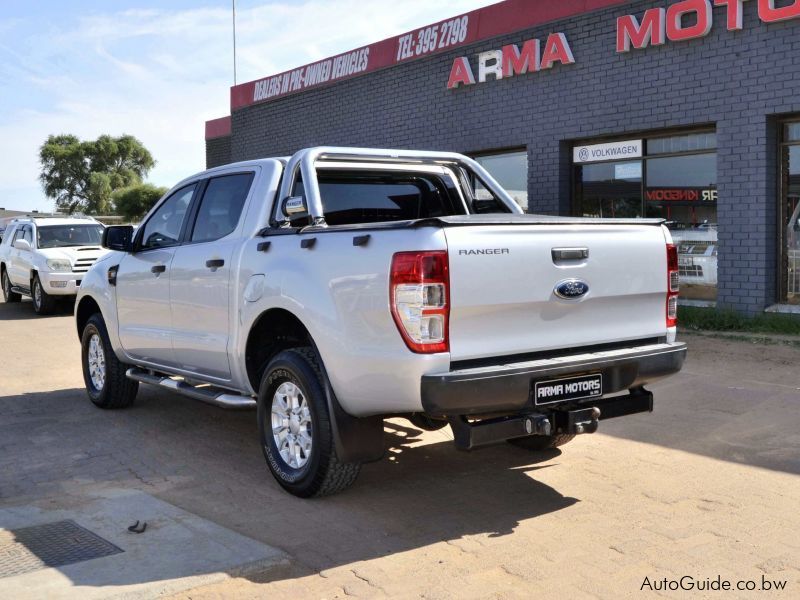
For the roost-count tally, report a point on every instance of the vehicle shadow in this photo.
(209, 462)
(23, 310)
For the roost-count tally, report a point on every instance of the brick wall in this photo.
(218, 151)
(738, 81)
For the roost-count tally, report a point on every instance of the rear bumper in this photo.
(506, 388)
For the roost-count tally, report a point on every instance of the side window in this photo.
(221, 207)
(163, 228)
(23, 233)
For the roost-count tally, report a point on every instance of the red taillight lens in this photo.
(419, 295)
(673, 285)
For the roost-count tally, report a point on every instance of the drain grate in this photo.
(50, 545)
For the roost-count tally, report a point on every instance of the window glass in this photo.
(611, 190)
(792, 132)
(163, 228)
(682, 189)
(354, 197)
(62, 236)
(221, 207)
(510, 169)
(791, 212)
(682, 143)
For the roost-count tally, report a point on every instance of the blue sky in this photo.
(159, 69)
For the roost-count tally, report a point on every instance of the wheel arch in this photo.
(87, 307)
(277, 329)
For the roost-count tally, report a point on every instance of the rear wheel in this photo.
(103, 373)
(43, 303)
(296, 429)
(8, 295)
(542, 442)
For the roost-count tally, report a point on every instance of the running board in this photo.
(208, 395)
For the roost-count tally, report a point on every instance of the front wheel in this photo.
(43, 303)
(103, 373)
(8, 295)
(296, 430)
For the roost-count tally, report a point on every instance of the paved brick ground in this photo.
(708, 485)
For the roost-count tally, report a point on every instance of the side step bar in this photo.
(209, 395)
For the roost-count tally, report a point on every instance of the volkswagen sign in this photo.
(572, 289)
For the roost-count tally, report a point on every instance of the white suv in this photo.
(45, 257)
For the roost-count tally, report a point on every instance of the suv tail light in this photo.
(419, 295)
(673, 285)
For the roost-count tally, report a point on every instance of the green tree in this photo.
(133, 202)
(82, 175)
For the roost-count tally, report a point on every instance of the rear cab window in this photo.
(356, 197)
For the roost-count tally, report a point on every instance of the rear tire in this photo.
(43, 303)
(296, 429)
(8, 295)
(103, 373)
(542, 442)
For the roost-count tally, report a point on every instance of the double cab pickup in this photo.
(339, 287)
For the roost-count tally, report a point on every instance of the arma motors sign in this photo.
(686, 20)
(511, 60)
(693, 19)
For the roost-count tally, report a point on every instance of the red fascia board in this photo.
(483, 23)
(216, 128)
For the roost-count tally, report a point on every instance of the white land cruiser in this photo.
(343, 286)
(47, 257)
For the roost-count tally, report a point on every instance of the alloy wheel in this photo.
(291, 425)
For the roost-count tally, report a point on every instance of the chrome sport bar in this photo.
(304, 162)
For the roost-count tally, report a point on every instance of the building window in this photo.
(675, 179)
(510, 169)
(790, 214)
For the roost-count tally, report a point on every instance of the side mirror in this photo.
(118, 237)
(22, 245)
(294, 206)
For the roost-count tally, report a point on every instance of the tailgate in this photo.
(503, 281)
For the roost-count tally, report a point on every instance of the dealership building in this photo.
(686, 110)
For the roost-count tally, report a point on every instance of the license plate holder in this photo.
(566, 389)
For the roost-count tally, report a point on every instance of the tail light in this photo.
(673, 285)
(419, 295)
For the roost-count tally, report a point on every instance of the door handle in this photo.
(158, 269)
(215, 263)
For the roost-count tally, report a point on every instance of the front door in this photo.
(143, 302)
(19, 263)
(201, 278)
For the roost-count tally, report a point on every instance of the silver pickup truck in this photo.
(342, 286)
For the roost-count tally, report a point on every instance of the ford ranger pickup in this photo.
(343, 286)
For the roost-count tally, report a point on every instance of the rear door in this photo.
(143, 291)
(505, 283)
(200, 284)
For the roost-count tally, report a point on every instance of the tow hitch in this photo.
(469, 435)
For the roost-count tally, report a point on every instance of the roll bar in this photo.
(304, 163)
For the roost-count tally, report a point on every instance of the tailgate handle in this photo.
(560, 254)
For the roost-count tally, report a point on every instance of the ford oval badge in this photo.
(572, 289)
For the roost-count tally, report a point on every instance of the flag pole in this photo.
(233, 4)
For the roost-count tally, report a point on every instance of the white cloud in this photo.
(160, 74)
